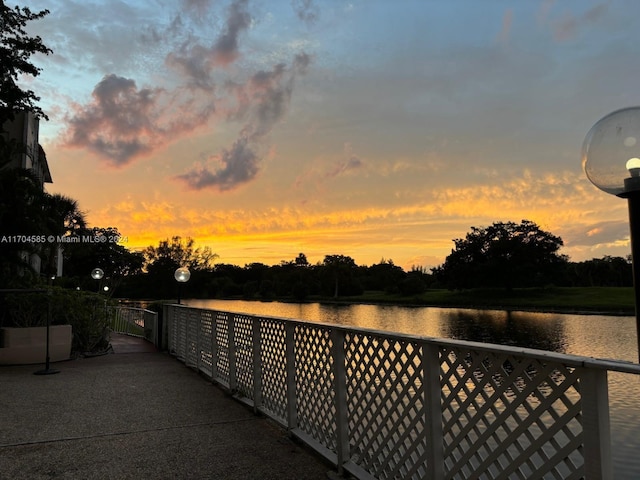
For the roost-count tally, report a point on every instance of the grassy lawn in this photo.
(613, 300)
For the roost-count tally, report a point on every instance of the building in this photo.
(24, 131)
(26, 152)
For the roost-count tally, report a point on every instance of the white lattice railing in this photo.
(137, 322)
(387, 406)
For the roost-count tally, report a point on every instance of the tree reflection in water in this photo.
(521, 329)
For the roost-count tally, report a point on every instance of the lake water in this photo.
(599, 336)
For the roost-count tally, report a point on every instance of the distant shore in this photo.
(614, 301)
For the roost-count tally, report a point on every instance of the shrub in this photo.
(87, 313)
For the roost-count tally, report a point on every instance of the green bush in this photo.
(87, 313)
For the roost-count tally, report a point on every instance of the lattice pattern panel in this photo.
(243, 339)
(206, 338)
(180, 328)
(193, 328)
(222, 342)
(385, 406)
(274, 367)
(172, 330)
(507, 416)
(315, 390)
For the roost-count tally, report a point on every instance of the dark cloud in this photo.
(261, 103)
(353, 163)
(119, 124)
(306, 10)
(124, 122)
(225, 49)
(196, 61)
(236, 166)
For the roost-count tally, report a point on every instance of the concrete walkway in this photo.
(137, 414)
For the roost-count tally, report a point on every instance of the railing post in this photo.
(167, 338)
(187, 341)
(340, 386)
(257, 362)
(214, 346)
(433, 410)
(594, 391)
(198, 315)
(233, 381)
(167, 322)
(290, 358)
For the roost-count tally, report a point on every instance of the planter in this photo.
(21, 346)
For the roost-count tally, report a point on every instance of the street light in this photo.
(182, 275)
(97, 274)
(610, 158)
(47, 370)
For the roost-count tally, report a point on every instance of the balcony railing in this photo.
(383, 405)
(137, 322)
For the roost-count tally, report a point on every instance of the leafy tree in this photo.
(16, 48)
(412, 285)
(607, 271)
(172, 254)
(113, 258)
(162, 261)
(301, 260)
(340, 270)
(503, 255)
(383, 276)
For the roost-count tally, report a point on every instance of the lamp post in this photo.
(610, 158)
(182, 275)
(47, 369)
(97, 274)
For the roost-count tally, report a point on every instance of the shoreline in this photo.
(469, 304)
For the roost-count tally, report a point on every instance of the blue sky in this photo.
(366, 128)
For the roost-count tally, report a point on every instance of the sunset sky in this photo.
(369, 128)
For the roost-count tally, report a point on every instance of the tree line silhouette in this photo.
(504, 255)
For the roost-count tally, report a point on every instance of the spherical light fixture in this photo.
(97, 273)
(611, 160)
(611, 151)
(182, 275)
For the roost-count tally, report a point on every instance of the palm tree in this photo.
(63, 217)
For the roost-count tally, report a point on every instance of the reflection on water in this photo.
(506, 328)
(596, 336)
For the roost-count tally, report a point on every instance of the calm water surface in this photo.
(596, 336)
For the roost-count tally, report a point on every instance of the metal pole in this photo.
(47, 370)
(633, 199)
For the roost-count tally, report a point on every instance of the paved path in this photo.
(137, 414)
